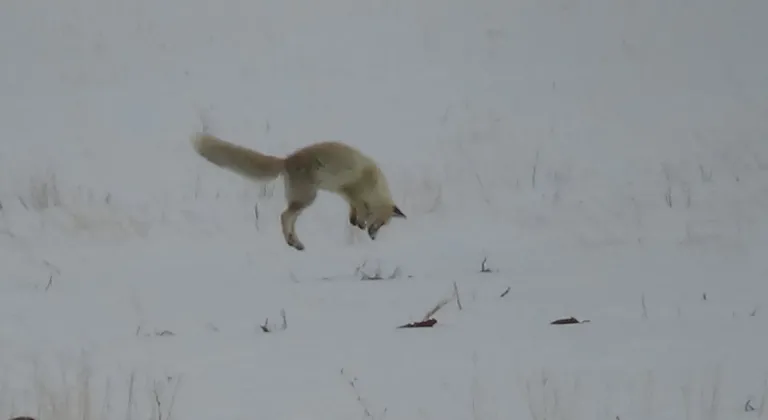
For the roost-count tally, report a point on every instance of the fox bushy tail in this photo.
(241, 160)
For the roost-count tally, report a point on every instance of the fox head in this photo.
(381, 216)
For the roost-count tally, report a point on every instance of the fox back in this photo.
(334, 165)
(344, 170)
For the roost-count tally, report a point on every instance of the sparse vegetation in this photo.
(266, 327)
(80, 396)
(368, 412)
(484, 266)
(376, 274)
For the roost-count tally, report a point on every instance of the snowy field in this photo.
(604, 160)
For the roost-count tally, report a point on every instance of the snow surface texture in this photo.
(607, 159)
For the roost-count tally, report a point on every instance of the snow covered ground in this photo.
(608, 160)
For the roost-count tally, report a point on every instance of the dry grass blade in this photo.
(437, 307)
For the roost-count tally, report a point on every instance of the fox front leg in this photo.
(355, 219)
(359, 213)
(373, 227)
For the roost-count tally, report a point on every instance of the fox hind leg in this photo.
(287, 218)
(298, 200)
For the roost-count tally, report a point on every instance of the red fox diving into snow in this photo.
(329, 166)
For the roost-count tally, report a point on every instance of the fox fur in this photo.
(330, 166)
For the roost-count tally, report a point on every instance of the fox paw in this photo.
(294, 242)
(360, 224)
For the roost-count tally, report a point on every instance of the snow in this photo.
(607, 159)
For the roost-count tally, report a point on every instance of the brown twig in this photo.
(421, 324)
(566, 321)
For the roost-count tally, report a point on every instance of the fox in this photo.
(330, 166)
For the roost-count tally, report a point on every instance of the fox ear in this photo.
(397, 212)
